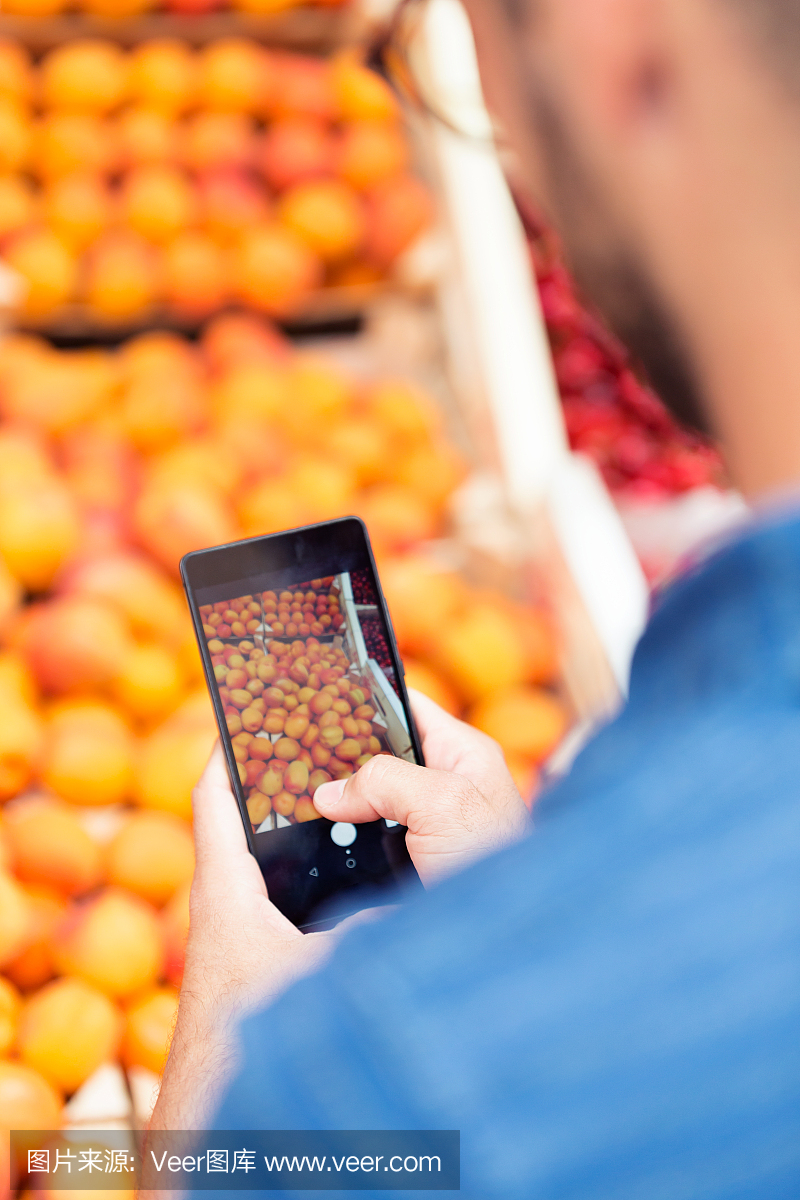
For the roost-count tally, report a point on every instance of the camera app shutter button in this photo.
(343, 833)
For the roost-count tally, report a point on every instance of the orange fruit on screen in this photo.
(27, 1099)
(233, 75)
(34, 965)
(67, 1030)
(396, 213)
(150, 684)
(15, 918)
(274, 269)
(481, 651)
(195, 274)
(526, 721)
(74, 642)
(152, 855)
(231, 203)
(157, 201)
(421, 677)
(87, 75)
(15, 136)
(50, 846)
(113, 942)
(16, 72)
(148, 1029)
(39, 530)
(294, 150)
(327, 216)
(361, 94)
(67, 141)
(48, 268)
(146, 135)
(18, 204)
(218, 139)
(88, 754)
(78, 208)
(10, 1005)
(122, 277)
(163, 75)
(370, 152)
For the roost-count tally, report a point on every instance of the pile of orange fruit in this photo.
(114, 463)
(135, 8)
(187, 179)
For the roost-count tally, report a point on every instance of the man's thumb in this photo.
(384, 787)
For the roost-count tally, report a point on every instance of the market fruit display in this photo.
(155, 447)
(177, 180)
(135, 8)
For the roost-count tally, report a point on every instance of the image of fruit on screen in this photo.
(308, 689)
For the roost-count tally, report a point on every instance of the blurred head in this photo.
(662, 138)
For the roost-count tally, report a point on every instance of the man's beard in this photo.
(611, 277)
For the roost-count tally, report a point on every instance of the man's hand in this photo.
(242, 952)
(462, 806)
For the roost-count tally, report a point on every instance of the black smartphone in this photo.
(307, 686)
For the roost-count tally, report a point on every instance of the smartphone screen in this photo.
(307, 687)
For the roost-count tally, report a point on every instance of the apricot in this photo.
(148, 1029)
(296, 150)
(172, 519)
(78, 208)
(163, 75)
(274, 269)
(151, 855)
(330, 736)
(48, 267)
(271, 782)
(157, 202)
(16, 72)
(15, 918)
(295, 779)
(233, 75)
(254, 390)
(174, 919)
(370, 152)
(339, 769)
(284, 803)
(67, 1030)
(88, 755)
(64, 142)
(302, 86)
(348, 750)
(113, 941)
(195, 274)
(171, 762)
(287, 748)
(86, 75)
(259, 807)
(74, 642)
(526, 721)
(320, 755)
(27, 1099)
(18, 204)
(34, 965)
(397, 212)
(21, 743)
(232, 204)
(480, 651)
(361, 94)
(10, 1005)
(137, 588)
(122, 276)
(422, 600)
(16, 137)
(218, 140)
(320, 703)
(296, 727)
(424, 679)
(327, 216)
(49, 846)
(151, 684)
(304, 810)
(260, 749)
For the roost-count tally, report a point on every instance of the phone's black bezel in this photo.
(231, 550)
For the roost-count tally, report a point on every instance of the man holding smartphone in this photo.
(611, 1006)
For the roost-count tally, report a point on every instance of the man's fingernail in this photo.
(330, 794)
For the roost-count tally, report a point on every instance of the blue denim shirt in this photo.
(612, 1007)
